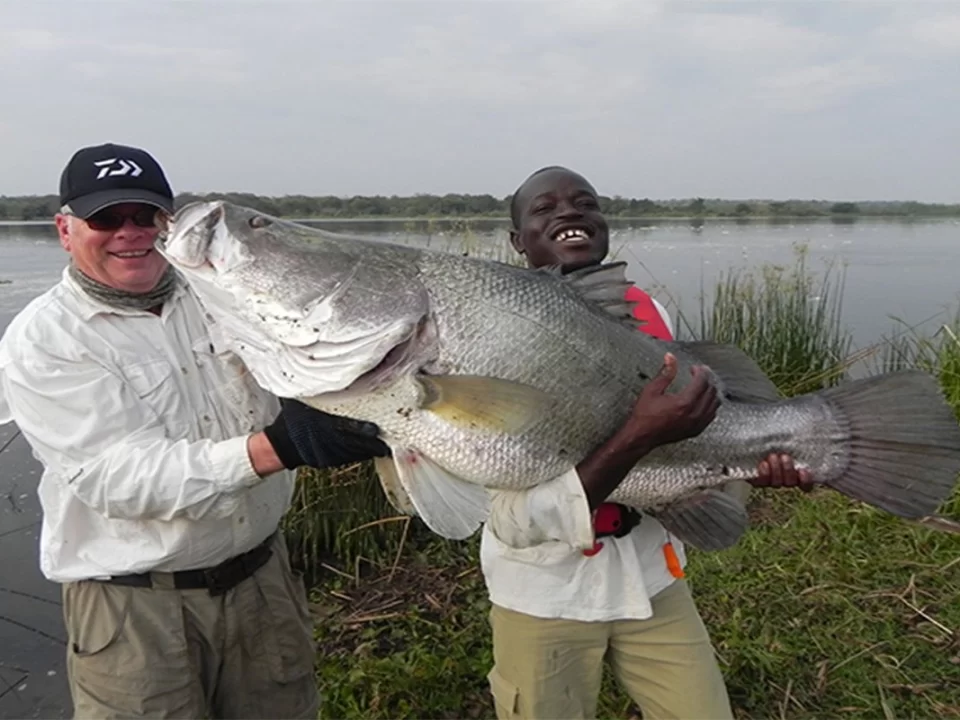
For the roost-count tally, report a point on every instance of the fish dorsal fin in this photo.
(742, 378)
(605, 286)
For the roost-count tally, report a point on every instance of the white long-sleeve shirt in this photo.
(142, 431)
(532, 560)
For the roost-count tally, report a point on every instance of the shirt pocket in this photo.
(506, 695)
(545, 554)
(154, 381)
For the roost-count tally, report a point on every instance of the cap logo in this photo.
(123, 167)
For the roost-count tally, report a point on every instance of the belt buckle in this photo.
(215, 585)
(227, 575)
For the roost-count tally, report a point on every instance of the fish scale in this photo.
(485, 377)
(800, 429)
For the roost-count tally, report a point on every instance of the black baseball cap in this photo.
(108, 174)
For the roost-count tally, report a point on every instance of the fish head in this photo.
(310, 313)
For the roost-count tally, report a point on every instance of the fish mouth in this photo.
(573, 233)
(401, 357)
(185, 237)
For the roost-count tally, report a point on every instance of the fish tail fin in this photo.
(903, 442)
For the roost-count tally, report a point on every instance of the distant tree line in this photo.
(43, 207)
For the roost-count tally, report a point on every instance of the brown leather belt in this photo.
(217, 580)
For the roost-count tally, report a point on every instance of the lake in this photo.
(907, 269)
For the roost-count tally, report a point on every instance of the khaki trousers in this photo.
(551, 669)
(166, 653)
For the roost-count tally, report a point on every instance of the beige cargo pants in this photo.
(551, 669)
(167, 653)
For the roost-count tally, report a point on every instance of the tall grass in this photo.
(459, 236)
(785, 318)
(341, 518)
(938, 353)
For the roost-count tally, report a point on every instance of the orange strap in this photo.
(673, 562)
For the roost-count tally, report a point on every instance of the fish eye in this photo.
(259, 221)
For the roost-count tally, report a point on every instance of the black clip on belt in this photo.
(217, 580)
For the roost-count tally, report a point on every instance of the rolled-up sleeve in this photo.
(554, 511)
(112, 450)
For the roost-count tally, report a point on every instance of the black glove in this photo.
(302, 435)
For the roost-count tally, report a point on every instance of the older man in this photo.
(166, 471)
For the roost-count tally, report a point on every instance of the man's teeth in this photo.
(132, 254)
(572, 234)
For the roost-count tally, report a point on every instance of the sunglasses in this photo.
(113, 220)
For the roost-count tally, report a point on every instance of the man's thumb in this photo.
(668, 371)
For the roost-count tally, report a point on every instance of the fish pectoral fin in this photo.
(477, 402)
(450, 506)
(740, 374)
(709, 520)
(392, 487)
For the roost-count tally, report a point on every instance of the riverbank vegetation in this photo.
(827, 608)
(453, 205)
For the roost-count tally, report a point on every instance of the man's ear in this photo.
(63, 230)
(515, 241)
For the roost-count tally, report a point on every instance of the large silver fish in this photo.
(485, 375)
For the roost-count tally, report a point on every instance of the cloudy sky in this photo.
(815, 99)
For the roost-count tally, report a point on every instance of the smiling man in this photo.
(559, 613)
(100, 189)
(166, 471)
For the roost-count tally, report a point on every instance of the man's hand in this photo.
(302, 435)
(777, 471)
(660, 418)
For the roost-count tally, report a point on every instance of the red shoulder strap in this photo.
(645, 311)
